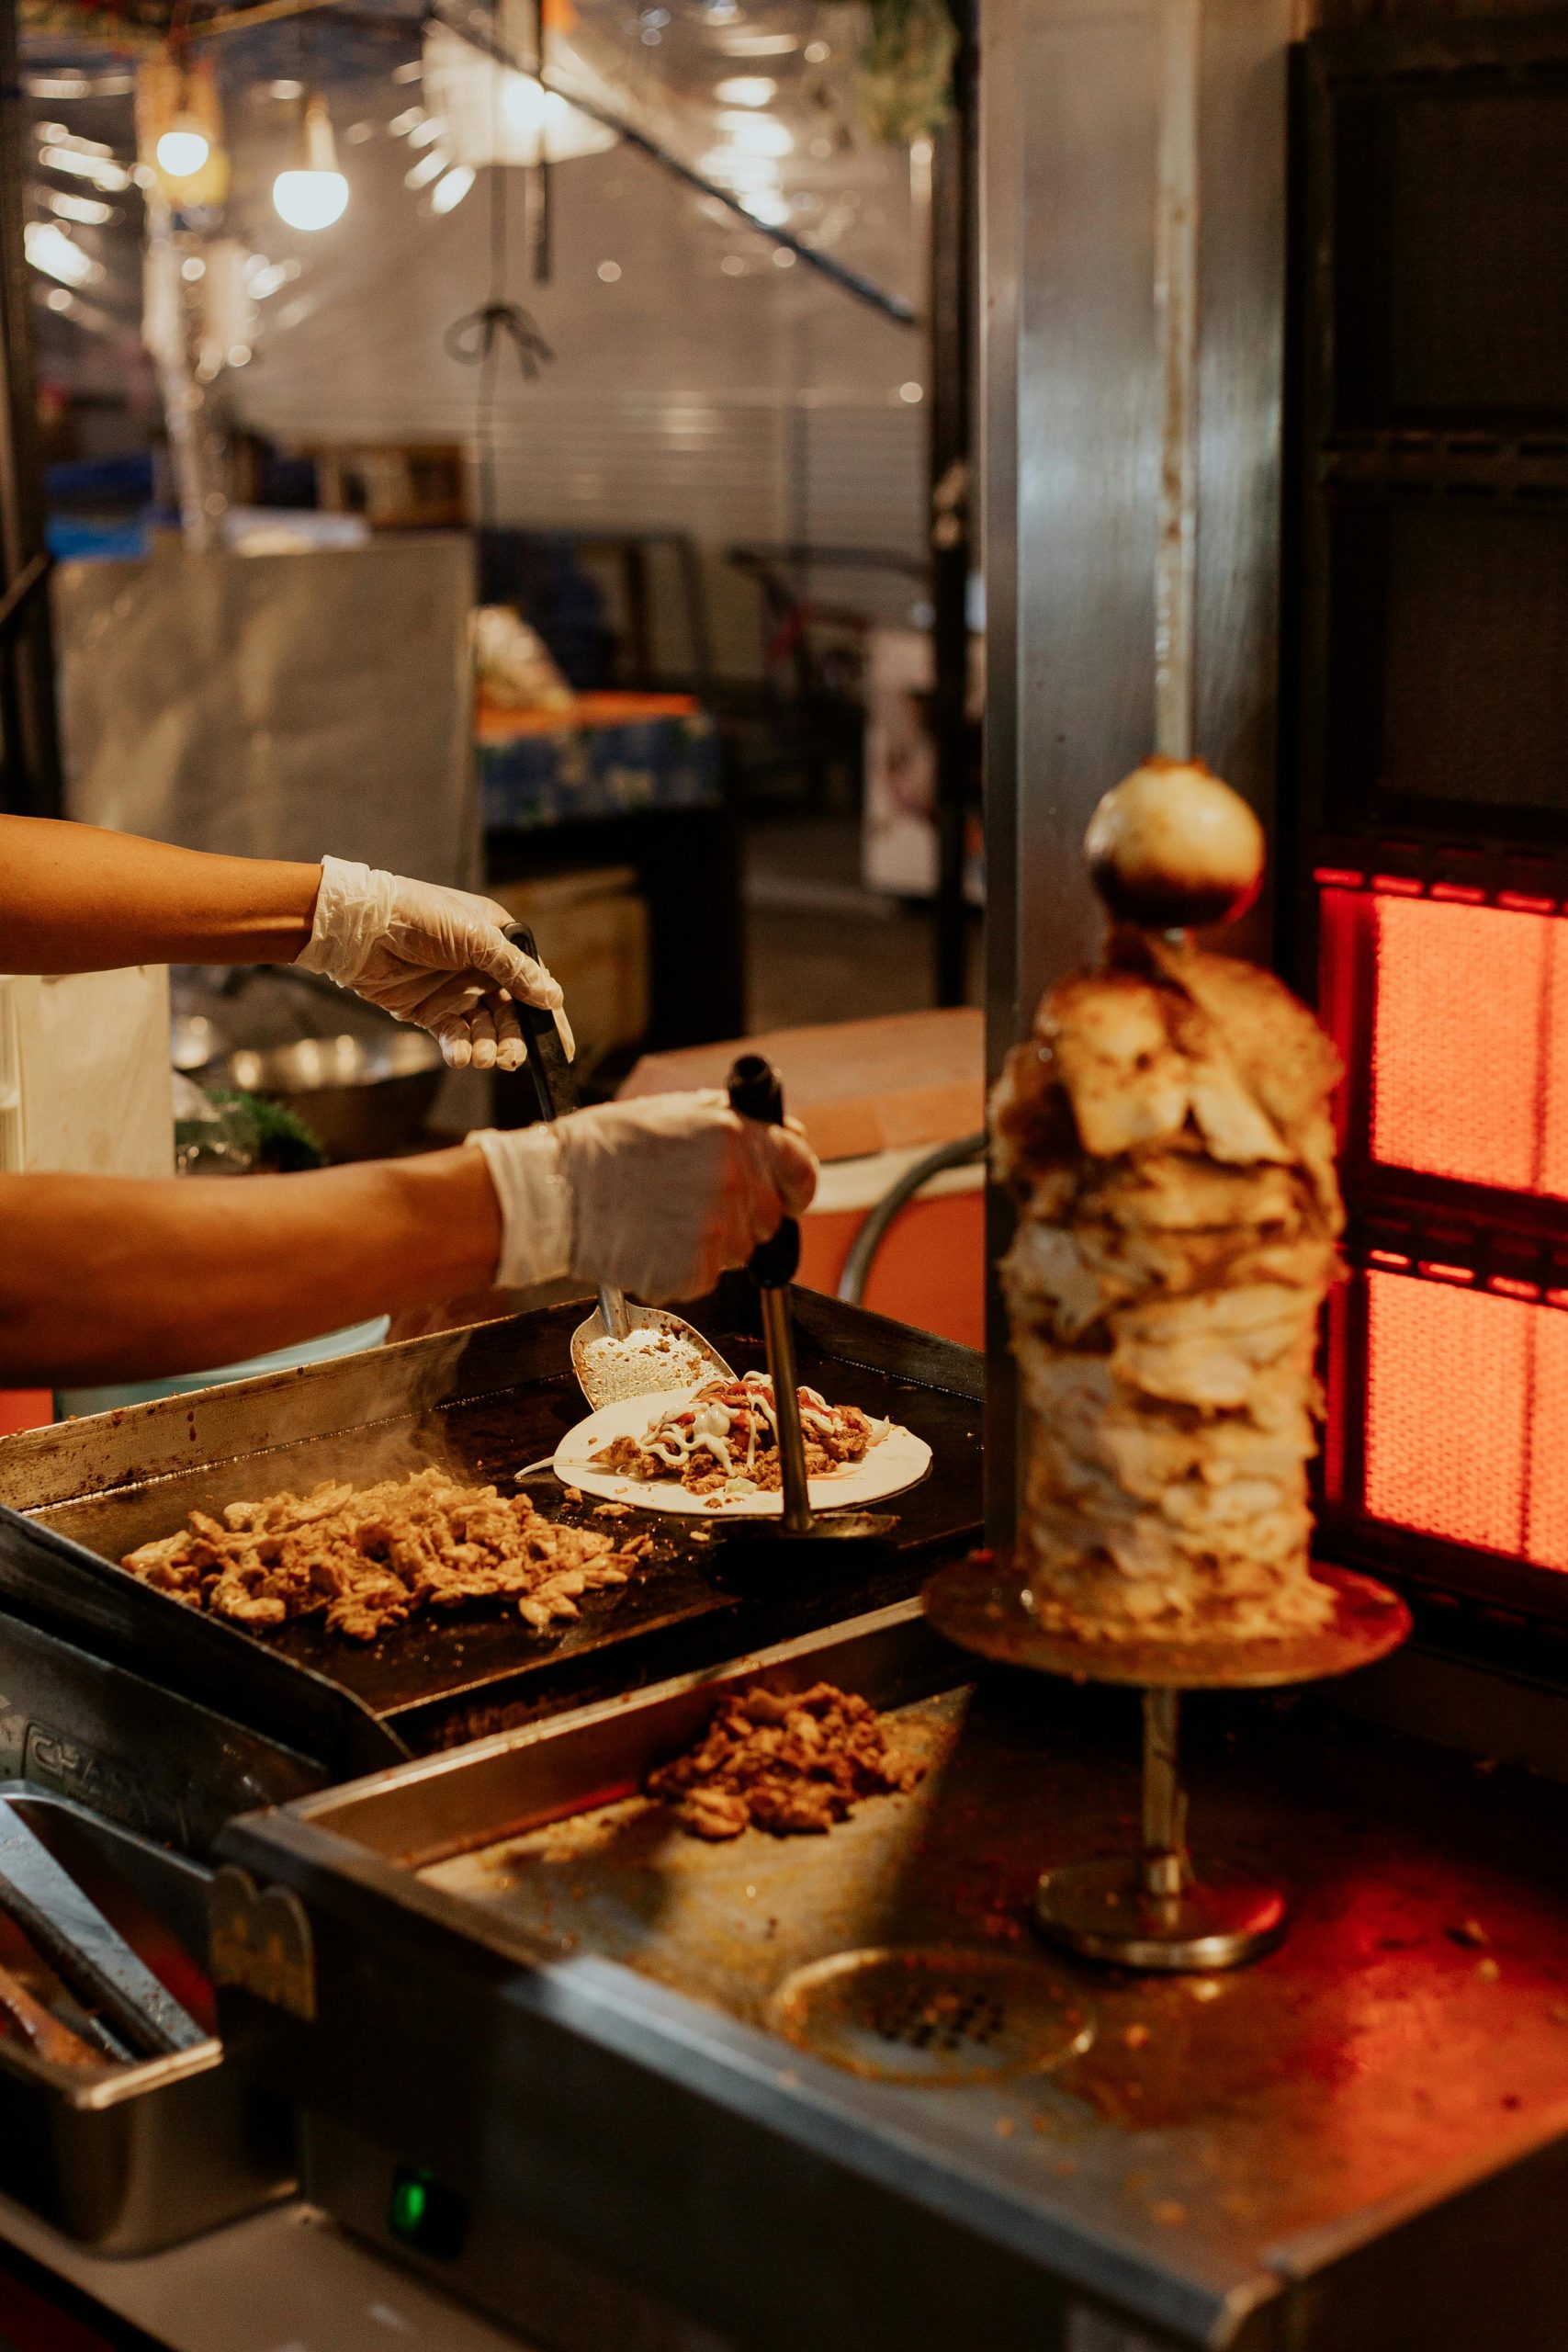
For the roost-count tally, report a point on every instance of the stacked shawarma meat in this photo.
(1165, 1132)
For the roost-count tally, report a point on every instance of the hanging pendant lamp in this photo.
(314, 193)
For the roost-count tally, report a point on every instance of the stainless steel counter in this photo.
(287, 2281)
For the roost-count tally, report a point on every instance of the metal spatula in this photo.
(608, 1374)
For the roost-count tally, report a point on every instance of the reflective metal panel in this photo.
(1070, 108)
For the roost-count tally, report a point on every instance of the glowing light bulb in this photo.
(315, 197)
(184, 148)
(309, 199)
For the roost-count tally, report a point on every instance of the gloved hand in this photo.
(655, 1196)
(432, 956)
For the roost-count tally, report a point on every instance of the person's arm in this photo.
(105, 1277)
(73, 898)
(110, 1278)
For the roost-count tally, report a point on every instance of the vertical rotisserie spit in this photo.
(1165, 1132)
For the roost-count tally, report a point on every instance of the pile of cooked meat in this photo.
(725, 1439)
(366, 1557)
(793, 1764)
(1166, 1133)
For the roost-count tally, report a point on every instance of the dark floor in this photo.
(821, 947)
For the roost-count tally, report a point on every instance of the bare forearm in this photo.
(74, 899)
(104, 1277)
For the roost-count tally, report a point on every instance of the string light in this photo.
(49, 249)
(85, 208)
(493, 114)
(730, 168)
(101, 170)
(758, 134)
(449, 192)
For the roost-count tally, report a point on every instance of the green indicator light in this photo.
(424, 2215)
(410, 2198)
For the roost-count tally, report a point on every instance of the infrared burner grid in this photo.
(1448, 1351)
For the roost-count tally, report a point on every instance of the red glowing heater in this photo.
(1425, 890)
(1448, 1362)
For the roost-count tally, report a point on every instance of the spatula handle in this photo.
(755, 1092)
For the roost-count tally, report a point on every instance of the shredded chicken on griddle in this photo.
(794, 1765)
(368, 1557)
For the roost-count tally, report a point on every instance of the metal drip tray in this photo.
(931, 2017)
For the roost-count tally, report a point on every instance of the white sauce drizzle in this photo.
(673, 1442)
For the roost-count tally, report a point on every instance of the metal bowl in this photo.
(194, 1042)
(363, 1096)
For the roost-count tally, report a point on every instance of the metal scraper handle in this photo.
(42, 2028)
(555, 1090)
(755, 1092)
(82, 1947)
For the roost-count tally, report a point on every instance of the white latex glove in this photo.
(434, 956)
(656, 1196)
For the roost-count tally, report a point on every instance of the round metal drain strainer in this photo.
(934, 2017)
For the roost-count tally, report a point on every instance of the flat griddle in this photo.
(1359, 2145)
(482, 1403)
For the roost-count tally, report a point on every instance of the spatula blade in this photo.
(608, 1370)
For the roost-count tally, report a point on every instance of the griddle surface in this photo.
(1415, 2021)
(450, 1664)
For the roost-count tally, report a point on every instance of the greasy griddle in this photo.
(481, 1405)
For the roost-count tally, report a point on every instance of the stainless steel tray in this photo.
(1324, 2150)
(128, 2159)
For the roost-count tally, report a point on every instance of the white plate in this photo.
(901, 1460)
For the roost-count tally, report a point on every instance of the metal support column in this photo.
(29, 740)
(953, 336)
(1106, 219)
